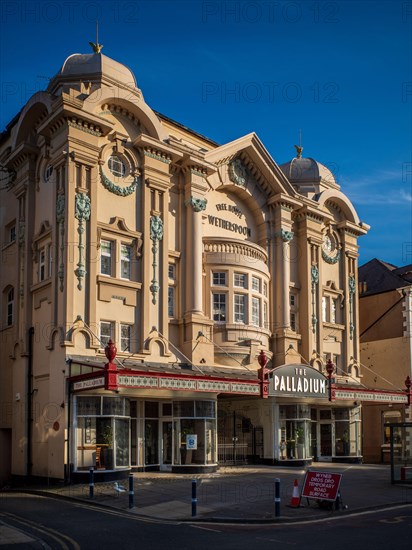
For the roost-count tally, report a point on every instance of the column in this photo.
(194, 226)
(286, 237)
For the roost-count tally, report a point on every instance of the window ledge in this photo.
(335, 326)
(125, 283)
(110, 288)
(7, 245)
(40, 285)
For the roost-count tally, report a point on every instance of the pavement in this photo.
(243, 494)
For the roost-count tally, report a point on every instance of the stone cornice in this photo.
(161, 182)
(307, 213)
(353, 255)
(79, 152)
(198, 171)
(157, 154)
(21, 154)
(20, 187)
(317, 241)
(154, 148)
(84, 126)
(187, 150)
(86, 121)
(285, 202)
(197, 166)
(353, 229)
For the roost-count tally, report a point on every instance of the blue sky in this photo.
(339, 71)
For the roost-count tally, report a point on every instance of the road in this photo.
(43, 522)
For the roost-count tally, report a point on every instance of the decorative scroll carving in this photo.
(352, 290)
(315, 280)
(82, 214)
(156, 235)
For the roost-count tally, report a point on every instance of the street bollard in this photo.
(194, 498)
(91, 483)
(277, 497)
(131, 492)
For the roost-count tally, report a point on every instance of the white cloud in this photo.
(383, 187)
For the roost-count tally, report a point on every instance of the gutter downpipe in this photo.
(30, 405)
(68, 473)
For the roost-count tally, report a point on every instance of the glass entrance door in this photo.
(325, 441)
(167, 443)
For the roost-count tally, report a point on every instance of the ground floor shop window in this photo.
(391, 417)
(388, 418)
(151, 438)
(318, 433)
(195, 432)
(195, 442)
(180, 433)
(294, 428)
(342, 432)
(102, 433)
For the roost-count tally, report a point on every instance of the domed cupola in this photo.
(94, 68)
(308, 176)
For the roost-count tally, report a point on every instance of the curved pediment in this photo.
(133, 105)
(335, 197)
(33, 114)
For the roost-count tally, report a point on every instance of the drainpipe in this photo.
(68, 473)
(407, 313)
(30, 404)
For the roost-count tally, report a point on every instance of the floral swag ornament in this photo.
(117, 189)
(331, 259)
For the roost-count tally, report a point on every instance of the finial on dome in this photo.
(299, 150)
(299, 147)
(97, 48)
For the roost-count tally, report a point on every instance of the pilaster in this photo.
(286, 341)
(199, 349)
(154, 213)
(309, 242)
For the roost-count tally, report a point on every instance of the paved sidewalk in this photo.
(243, 494)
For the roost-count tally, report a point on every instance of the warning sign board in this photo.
(321, 485)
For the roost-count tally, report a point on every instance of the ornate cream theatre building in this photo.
(225, 281)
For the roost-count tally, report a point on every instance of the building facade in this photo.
(227, 283)
(386, 353)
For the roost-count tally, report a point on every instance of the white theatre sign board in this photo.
(298, 381)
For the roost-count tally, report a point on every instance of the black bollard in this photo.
(338, 502)
(131, 492)
(277, 497)
(91, 483)
(194, 498)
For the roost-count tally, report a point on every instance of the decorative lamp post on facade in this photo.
(330, 367)
(110, 369)
(263, 375)
(408, 384)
